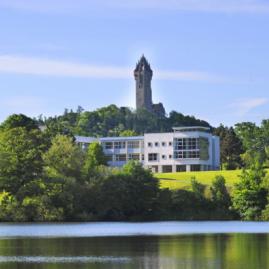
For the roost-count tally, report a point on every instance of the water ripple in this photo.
(70, 259)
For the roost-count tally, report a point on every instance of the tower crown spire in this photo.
(143, 64)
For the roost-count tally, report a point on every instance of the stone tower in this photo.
(143, 76)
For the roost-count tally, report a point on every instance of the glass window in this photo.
(134, 157)
(133, 144)
(156, 144)
(149, 144)
(163, 144)
(120, 157)
(164, 157)
(108, 145)
(187, 154)
(119, 145)
(186, 143)
(152, 157)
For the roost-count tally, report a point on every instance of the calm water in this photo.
(165, 245)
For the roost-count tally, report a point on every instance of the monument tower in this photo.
(143, 76)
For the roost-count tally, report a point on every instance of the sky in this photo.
(210, 58)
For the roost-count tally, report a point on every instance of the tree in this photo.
(128, 133)
(219, 193)
(253, 143)
(19, 120)
(143, 189)
(94, 157)
(64, 158)
(198, 189)
(230, 148)
(249, 197)
(178, 119)
(20, 157)
(129, 194)
(220, 198)
(113, 121)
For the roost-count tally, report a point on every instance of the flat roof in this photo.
(121, 138)
(85, 139)
(191, 128)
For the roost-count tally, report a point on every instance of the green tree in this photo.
(94, 158)
(253, 143)
(128, 194)
(20, 157)
(19, 120)
(64, 158)
(249, 197)
(198, 189)
(219, 193)
(143, 189)
(126, 133)
(10, 209)
(231, 148)
(64, 165)
(221, 199)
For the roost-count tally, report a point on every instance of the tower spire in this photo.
(143, 76)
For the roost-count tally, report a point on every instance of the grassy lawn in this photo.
(182, 180)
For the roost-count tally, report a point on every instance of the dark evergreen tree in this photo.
(231, 148)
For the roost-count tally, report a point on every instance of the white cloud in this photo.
(47, 67)
(244, 106)
(252, 6)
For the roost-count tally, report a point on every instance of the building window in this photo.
(133, 144)
(187, 155)
(119, 145)
(164, 157)
(149, 144)
(186, 144)
(163, 144)
(108, 145)
(156, 144)
(120, 158)
(152, 157)
(143, 157)
(170, 156)
(170, 144)
(167, 169)
(133, 156)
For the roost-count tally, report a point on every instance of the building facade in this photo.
(184, 149)
(143, 76)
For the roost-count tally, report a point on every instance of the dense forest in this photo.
(114, 121)
(46, 176)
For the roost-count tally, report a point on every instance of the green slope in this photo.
(182, 180)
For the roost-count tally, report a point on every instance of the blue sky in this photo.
(210, 58)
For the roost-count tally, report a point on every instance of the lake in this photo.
(158, 245)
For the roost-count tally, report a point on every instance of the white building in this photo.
(185, 149)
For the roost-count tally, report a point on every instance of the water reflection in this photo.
(228, 251)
